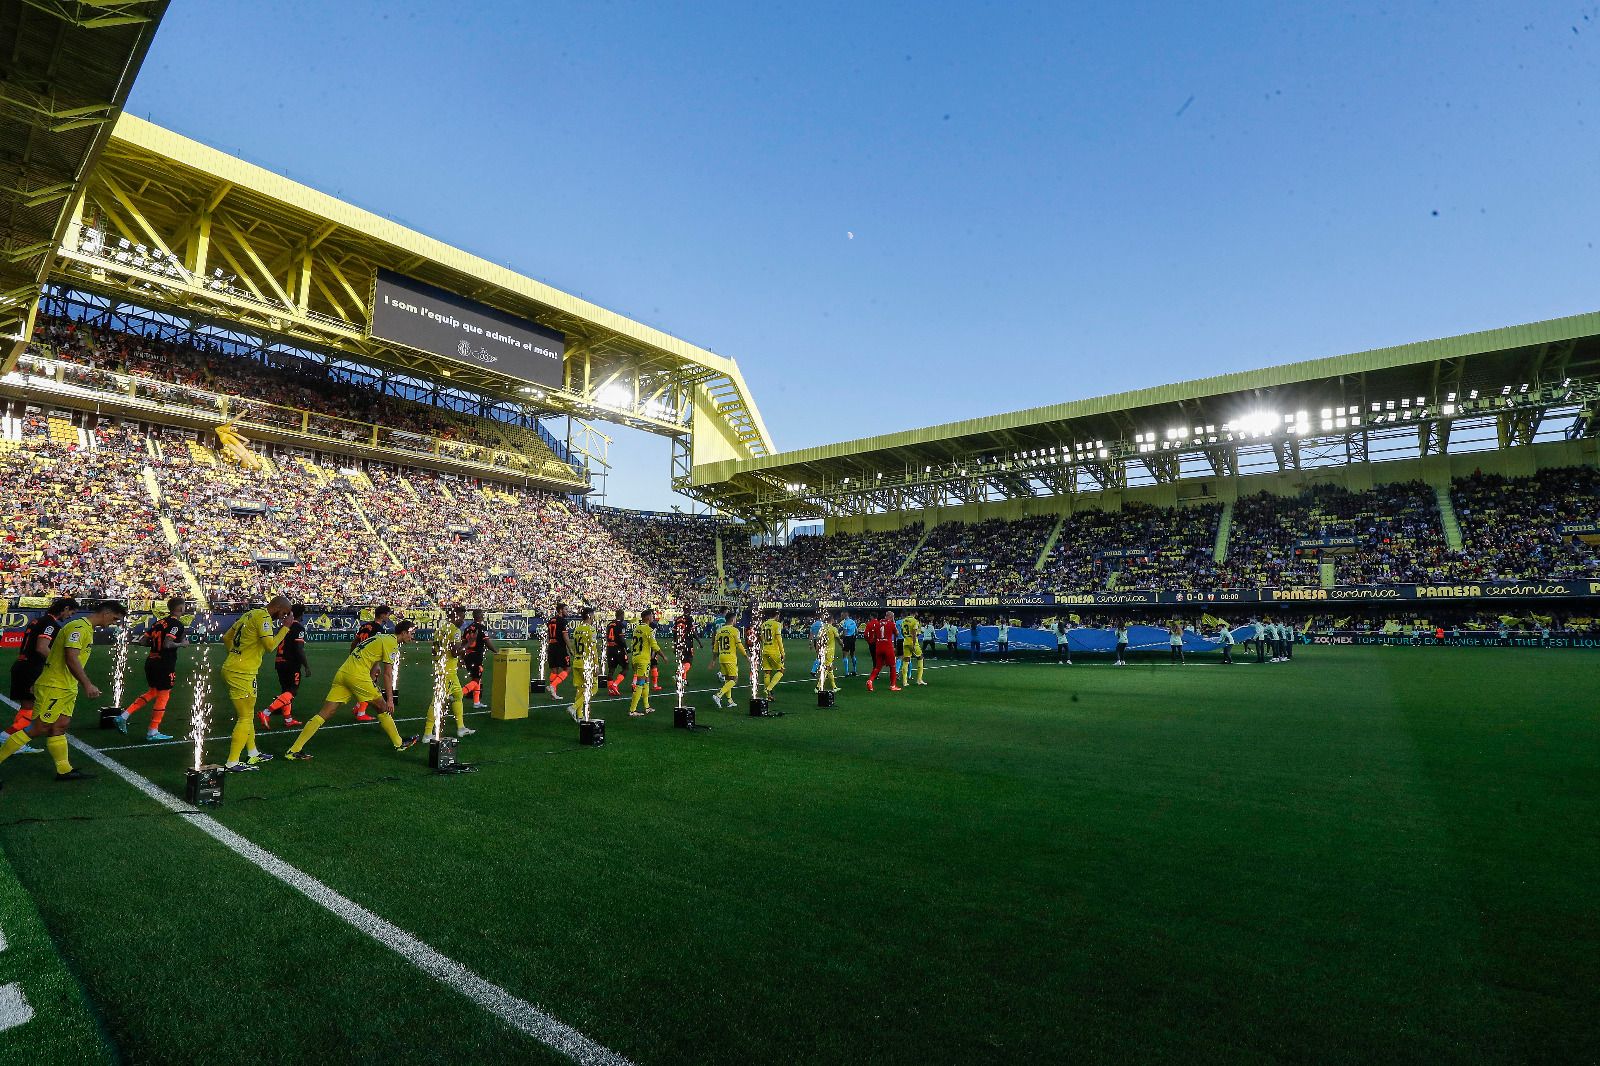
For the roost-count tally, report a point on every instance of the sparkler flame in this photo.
(751, 635)
(200, 715)
(119, 664)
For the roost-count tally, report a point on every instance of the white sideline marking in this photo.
(3, 944)
(517, 1013)
(14, 1008)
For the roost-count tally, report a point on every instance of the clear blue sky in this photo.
(1049, 201)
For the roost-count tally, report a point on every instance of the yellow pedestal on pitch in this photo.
(508, 694)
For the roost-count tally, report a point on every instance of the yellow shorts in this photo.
(728, 667)
(639, 668)
(771, 660)
(50, 703)
(354, 683)
(241, 687)
(911, 650)
(452, 684)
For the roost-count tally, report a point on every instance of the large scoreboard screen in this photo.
(429, 319)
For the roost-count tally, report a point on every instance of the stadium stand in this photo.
(1138, 547)
(1511, 527)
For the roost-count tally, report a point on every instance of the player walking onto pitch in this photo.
(163, 638)
(368, 630)
(642, 651)
(910, 648)
(580, 650)
(773, 656)
(727, 646)
(616, 652)
(881, 636)
(827, 653)
(55, 693)
(684, 641)
(253, 635)
(292, 668)
(475, 641)
(353, 681)
(448, 646)
(558, 659)
(32, 654)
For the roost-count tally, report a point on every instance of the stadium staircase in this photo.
(911, 556)
(716, 552)
(152, 486)
(1113, 580)
(201, 455)
(1219, 551)
(1448, 519)
(400, 565)
(1327, 574)
(1049, 544)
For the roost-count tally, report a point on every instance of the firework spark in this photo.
(200, 715)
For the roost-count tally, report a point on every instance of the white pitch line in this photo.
(14, 1008)
(517, 1013)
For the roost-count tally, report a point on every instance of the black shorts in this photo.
(616, 660)
(289, 679)
(23, 675)
(557, 658)
(849, 645)
(159, 675)
(474, 667)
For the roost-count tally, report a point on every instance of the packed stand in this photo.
(184, 373)
(816, 567)
(489, 546)
(80, 521)
(1397, 526)
(1137, 547)
(1511, 527)
(680, 550)
(990, 558)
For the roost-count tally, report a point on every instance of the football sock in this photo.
(144, 698)
(22, 721)
(242, 735)
(58, 751)
(161, 710)
(386, 720)
(13, 744)
(313, 724)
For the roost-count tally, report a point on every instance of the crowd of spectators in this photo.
(1512, 527)
(82, 520)
(77, 521)
(1137, 547)
(201, 375)
(1398, 536)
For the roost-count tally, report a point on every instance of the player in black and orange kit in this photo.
(163, 638)
(290, 662)
(368, 630)
(475, 642)
(558, 662)
(616, 652)
(31, 656)
(685, 638)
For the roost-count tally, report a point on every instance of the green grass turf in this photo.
(1368, 855)
(63, 1026)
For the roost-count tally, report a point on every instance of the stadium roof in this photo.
(170, 224)
(67, 71)
(1518, 378)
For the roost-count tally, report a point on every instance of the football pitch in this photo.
(1370, 854)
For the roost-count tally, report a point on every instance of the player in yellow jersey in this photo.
(55, 693)
(642, 651)
(827, 651)
(447, 648)
(726, 647)
(247, 640)
(584, 655)
(354, 682)
(770, 634)
(910, 648)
